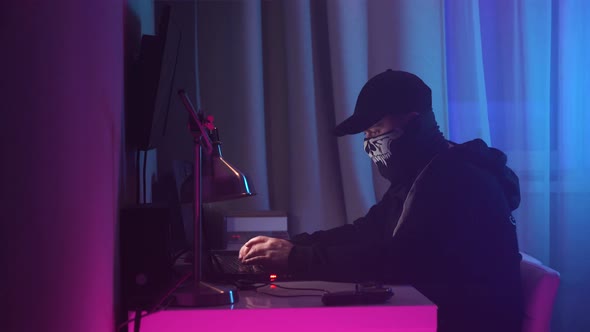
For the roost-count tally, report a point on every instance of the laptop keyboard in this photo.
(231, 264)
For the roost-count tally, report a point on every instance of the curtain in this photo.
(278, 75)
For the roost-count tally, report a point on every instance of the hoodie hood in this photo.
(494, 161)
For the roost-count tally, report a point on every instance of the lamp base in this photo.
(205, 295)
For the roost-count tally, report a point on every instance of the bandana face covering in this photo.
(402, 152)
(378, 148)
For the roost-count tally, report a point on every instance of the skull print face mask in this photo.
(378, 148)
(402, 152)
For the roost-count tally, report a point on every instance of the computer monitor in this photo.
(149, 84)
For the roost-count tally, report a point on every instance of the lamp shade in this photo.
(221, 180)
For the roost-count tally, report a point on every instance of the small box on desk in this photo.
(242, 226)
(229, 230)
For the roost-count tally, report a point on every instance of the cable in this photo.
(277, 295)
(243, 284)
(259, 286)
(145, 152)
(122, 325)
(157, 307)
(303, 289)
(137, 190)
(137, 320)
(293, 288)
(165, 126)
(180, 282)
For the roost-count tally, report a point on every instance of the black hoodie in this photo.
(451, 235)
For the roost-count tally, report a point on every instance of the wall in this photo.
(62, 96)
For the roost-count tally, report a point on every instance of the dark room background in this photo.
(277, 76)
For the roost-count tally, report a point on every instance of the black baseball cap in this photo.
(390, 92)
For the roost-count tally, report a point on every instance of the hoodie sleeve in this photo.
(357, 253)
(378, 220)
(326, 254)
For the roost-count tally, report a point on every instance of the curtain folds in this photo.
(278, 75)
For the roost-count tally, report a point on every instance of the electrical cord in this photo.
(147, 313)
(165, 126)
(145, 152)
(134, 319)
(293, 288)
(301, 295)
(137, 321)
(304, 289)
(137, 186)
(180, 282)
(244, 284)
(158, 307)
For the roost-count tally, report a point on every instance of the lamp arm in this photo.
(195, 117)
(201, 293)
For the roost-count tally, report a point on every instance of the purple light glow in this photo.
(61, 118)
(368, 318)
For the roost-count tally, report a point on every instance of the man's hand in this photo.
(266, 251)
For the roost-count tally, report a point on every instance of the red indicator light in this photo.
(273, 277)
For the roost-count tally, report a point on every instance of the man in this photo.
(444, 225)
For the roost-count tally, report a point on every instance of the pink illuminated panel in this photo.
(407, 311)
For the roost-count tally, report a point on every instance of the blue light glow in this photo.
(247, 187)
(533, 61)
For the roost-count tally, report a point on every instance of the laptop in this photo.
(223, 266)
(234, 230)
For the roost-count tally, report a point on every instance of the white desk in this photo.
(408, 310)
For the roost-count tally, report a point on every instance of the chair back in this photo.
(539, 284)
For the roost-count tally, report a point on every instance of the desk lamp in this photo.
(215, 180)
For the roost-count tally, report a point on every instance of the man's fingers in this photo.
(257, 260)
(253, 252)
(243, 251)
(247, 247)
(255, 240)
